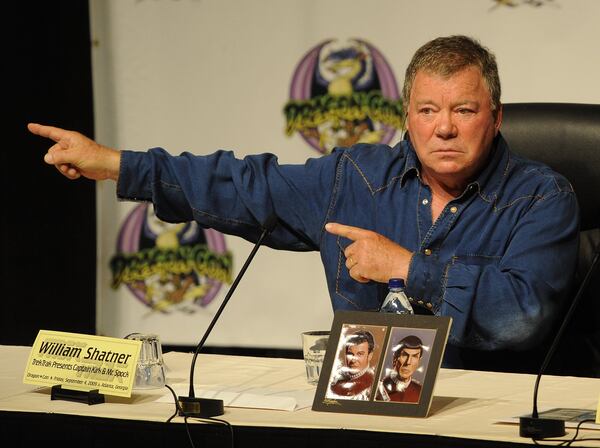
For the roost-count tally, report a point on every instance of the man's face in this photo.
(358, 356)
(407, 362)
(451, 125)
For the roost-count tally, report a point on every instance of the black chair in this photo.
(566, 136)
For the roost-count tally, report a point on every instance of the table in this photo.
(465, 411)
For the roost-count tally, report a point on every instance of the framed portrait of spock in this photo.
(381, 363)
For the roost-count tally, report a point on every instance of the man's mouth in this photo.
(446, 151)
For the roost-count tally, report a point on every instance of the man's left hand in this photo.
(372, 256)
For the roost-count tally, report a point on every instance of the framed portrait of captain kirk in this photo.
(381, 363)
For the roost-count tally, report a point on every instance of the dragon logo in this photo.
(342, 93)
(169, 267)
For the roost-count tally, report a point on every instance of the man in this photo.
(354, 379)
(399, 384)
(476, 232)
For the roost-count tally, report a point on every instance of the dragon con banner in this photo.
(292, 78)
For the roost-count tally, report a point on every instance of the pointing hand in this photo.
(371, 256)
(75, 155)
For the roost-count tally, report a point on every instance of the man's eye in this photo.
(426, 110)
(464, 111)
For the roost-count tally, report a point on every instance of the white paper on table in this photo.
(257, 398)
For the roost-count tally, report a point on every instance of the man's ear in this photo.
(498, 121)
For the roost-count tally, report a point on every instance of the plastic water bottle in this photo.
(396, 300)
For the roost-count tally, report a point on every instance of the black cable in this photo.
(187, 428)
(178, 410)
(176, 403)
(567, 442)
(218, 420)
(589, 420)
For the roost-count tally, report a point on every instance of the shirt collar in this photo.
(412, 163)
(488, 181)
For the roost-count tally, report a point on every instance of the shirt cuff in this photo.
(457, 299)
(425, 280)
(135, 177)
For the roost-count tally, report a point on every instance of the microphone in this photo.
(541, 428)
(191, 406)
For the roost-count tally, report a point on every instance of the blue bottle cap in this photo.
(396, 283)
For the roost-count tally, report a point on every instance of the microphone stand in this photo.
(191, 406)
(541, 428)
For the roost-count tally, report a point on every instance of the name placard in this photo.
(83, 362)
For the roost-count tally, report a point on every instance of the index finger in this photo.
(350, 232)
(46, 131)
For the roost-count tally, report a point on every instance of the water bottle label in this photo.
(397, 302)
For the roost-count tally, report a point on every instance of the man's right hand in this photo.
(75, 155)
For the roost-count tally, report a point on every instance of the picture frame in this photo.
(381, 363)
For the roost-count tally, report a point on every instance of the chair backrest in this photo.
(566, 136)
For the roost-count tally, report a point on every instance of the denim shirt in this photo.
(499, 259)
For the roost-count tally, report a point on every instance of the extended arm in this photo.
(218, 191)
(232, 195)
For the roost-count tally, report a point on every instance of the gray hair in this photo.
(446, 56)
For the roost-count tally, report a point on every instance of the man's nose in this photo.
(445, 127)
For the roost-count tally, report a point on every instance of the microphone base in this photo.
(200, 407)
(541, 428)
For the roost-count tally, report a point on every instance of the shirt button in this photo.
(427, 252)
(453, 209)
(425, 201)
